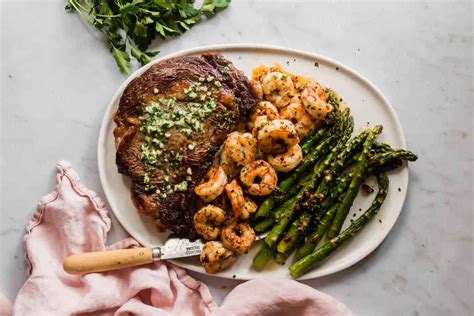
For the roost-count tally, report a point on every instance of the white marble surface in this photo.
(57, 77)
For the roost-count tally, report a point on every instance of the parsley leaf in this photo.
(122, 59)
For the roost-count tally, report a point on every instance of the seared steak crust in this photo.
(165, 80)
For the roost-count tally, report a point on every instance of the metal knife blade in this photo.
(176, 247)
(180, 247)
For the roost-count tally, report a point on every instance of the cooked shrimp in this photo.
(207, 221)
(314, 98)
(256, 89)
(260, 121)
(264, 108)
(241, 147)
(236, 197)
(276, 136)
(288, 160)
(259, 178)
(296, 98)
(278, 88)
(238, 237)
(230, 167)
(296, 113)
(215, 257)
(248, 208)
(213, 184)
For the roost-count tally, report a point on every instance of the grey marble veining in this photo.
(57, 77)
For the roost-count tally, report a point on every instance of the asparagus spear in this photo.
(341, 160)
(280, 257)
(333, 99)
(328, 205)
(381, 147)
(312, 140)
(316, 236)
(264, 255)
(385, 157)
(359, 172)
(301, 266)
(295, 234)
(266, 223)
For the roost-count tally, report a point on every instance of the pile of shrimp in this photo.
(288, 109)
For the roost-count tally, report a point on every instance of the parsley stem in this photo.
(80, 5)
(75, 4)
(108, 16)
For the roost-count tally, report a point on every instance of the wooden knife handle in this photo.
(100, 261)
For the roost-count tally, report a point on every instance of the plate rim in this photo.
(226, 47)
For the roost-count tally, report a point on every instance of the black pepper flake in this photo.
(360, 210)
(234, 276)
(368, 123)
(353, 215)
(399, 190)
(287, 62)
(352, 220)
(380, 221)
(337, 68)
(294, 59)
(316, 64)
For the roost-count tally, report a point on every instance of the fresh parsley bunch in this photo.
(129, 26)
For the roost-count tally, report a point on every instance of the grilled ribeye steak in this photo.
(171, 121)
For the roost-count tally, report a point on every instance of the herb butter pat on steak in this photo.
(171, 121)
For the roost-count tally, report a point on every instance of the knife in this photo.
(108, 260)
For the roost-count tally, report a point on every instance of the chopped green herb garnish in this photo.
(164, 116)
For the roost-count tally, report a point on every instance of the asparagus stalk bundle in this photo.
(328, 215)
(313, 201)
(359, 172)
(327, 211)
(333, 164)
(337, 165)
(282, 222)
(304, 264)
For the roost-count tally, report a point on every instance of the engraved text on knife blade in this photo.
(180, 247)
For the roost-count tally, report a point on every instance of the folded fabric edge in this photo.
(64, 170)
(195, 285)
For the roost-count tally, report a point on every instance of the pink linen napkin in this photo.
(73, 219)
